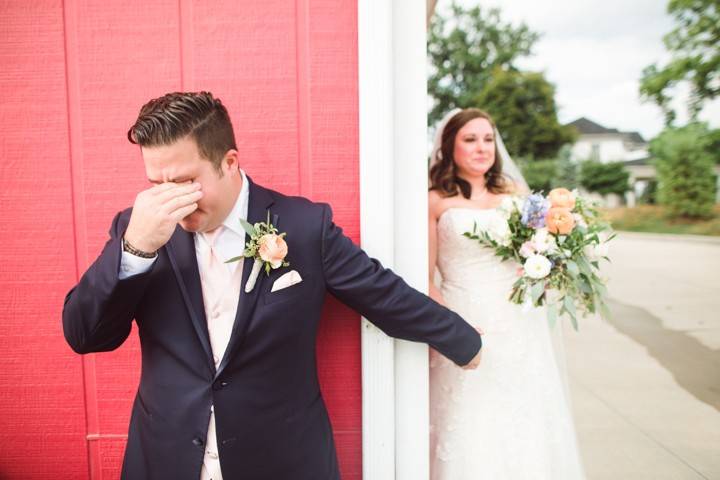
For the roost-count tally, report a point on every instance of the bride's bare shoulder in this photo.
(437, 203)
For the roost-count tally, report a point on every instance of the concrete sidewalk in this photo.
(646, 385)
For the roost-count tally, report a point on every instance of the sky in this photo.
(594, 51)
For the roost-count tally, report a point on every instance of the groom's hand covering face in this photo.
(158, 210)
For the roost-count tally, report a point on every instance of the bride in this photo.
(510, 418)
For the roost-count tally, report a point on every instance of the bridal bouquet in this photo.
(559, 240)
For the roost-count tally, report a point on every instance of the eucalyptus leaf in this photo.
(584, 266)
(585, 285)
(574, 322)
(536, 291)
(573, 267)
(569, 305)
(248, 227)
(552, 315)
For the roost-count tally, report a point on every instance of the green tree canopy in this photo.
(464, 48)
(695, 48)
(540, 175)
(684, 159)
(523, 107)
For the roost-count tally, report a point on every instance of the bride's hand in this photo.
(475, 362)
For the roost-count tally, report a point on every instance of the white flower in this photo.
(506, 207)
(537, 266)
(543, 242)
(499, 231)
(507, 204)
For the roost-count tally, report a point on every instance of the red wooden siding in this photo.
(73, 75)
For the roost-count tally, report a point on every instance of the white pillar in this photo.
(411, 249)
(393, 220)
(375, 86)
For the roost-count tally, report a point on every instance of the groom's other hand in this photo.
(475, 362)
(158, 210)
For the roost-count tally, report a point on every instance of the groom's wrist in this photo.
(129, 248)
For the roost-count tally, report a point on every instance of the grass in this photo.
(653, 218)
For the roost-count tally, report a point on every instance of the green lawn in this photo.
(652, 218)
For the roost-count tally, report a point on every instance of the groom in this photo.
(229, 387)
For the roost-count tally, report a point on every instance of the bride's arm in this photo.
(434, 203)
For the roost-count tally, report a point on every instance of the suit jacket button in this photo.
(219, 385)
(198, 442)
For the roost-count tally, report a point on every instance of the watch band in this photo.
(134, 251)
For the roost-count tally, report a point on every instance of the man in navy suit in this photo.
(229, 386)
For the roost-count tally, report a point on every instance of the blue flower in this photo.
(534, 211)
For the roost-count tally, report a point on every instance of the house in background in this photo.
(605, 145)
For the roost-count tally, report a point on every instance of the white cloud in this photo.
(594, 52)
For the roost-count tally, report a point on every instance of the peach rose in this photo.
(562, 197)
(273, 249)
(559, 220)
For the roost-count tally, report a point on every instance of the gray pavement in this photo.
(645, 385)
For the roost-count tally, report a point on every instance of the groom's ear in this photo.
(230, 162)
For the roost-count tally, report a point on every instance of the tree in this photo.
(684, 159)
(695, 48)
(523, 107)
(540, 175)
(604, 178)
(464, 49)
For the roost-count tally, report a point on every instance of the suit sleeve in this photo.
(388, 302)
(98, 311)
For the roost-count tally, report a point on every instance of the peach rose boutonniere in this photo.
(266, 246)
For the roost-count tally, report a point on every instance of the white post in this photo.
(410, 202)
(375, 78)
(393, 220)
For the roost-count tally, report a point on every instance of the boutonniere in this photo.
(266, 246)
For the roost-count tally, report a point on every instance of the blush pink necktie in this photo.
(215, 279)
(214, 274)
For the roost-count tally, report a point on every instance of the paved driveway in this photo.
(646, 385)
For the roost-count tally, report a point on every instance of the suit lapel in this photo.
(259, 203)
(181, 252)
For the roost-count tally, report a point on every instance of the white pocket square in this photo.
(286, 280)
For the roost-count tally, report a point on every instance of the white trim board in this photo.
(393, 209)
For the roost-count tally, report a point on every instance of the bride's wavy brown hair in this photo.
(443, 173)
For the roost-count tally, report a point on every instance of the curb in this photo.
(669, 237)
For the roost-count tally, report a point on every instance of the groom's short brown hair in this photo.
(199, 115)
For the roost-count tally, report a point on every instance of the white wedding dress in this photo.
(510, 419)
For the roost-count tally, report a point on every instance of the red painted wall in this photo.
(73, 75)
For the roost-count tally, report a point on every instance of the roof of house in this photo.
(585, 126)
(635, 137)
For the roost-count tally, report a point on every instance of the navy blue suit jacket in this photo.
(270, 416)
